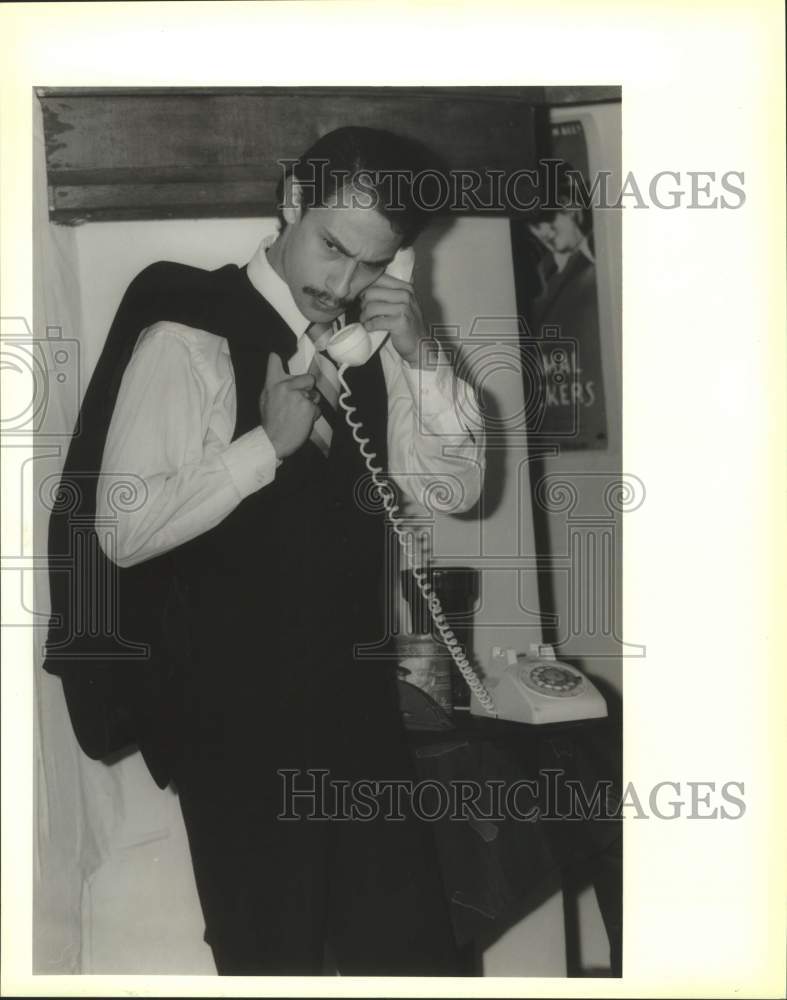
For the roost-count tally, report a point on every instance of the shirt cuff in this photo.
(251, 461)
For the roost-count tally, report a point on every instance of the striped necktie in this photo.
(326, 379)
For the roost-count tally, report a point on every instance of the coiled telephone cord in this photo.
(388, 501)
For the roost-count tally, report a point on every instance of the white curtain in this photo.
(68, 847)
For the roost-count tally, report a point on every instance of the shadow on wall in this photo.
(494, 484)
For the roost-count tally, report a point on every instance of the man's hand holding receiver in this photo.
(390, 304)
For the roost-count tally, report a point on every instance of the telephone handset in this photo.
(353, 345)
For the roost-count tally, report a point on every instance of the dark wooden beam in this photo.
(177, 152)
(559, 96)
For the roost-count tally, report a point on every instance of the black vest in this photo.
(289, 581)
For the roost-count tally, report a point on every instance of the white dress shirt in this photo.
(171, 432)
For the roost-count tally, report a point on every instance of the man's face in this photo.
(331, 254)
(561, 234)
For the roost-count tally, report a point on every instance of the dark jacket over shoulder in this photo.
(117, 636)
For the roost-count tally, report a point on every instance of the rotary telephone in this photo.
(542, 690)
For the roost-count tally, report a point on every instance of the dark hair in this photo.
(382, 167)
(568, 194)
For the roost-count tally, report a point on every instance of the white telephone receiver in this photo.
(353, 345)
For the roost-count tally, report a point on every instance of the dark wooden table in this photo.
(498, 869)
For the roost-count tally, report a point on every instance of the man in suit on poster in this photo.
(567, 301)
(568, 296)
(253, 568)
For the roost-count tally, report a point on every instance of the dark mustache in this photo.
(330, 303)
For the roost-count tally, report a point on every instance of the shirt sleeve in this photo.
(435, 434)
(170, 447)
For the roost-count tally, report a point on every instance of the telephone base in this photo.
(537, 689)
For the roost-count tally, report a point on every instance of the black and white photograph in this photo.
(295, 570)
(333, 514)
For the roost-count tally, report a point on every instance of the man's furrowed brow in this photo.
(343, 249)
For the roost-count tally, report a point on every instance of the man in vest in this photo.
(252, 562)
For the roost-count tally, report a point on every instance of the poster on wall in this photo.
(555, 270)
